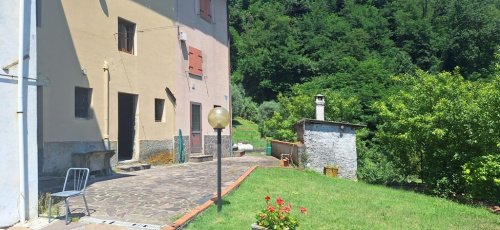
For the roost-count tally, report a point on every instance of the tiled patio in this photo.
(161, 194)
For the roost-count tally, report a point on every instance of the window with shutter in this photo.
(206, 10)
(195, 61)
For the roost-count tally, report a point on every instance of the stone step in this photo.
(201, 158)
(133, 167)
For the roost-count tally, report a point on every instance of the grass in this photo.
(43, 204)
(341, 204)
(248, 132)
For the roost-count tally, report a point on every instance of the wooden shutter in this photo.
(206, 10)
(195, 61)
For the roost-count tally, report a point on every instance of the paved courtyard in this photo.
(162, 194)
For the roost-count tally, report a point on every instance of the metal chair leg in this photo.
(86, 206)
(67, 211)
(50, 210)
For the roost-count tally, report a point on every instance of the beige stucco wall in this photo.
(76, 35)
(213, 88)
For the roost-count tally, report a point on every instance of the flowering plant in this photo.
(278, 217)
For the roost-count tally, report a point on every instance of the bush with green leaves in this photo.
(373, 163)
(437, 123)
(266, 111)
(482, 178)
(243, 106)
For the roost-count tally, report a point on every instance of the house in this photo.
(109, 75)
(328, 143)
(202, 81)
(322, 144)
(127, 75)
(18, 114)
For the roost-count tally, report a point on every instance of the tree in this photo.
(439, 123)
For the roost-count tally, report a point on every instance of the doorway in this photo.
(195, 127)
(127, 104)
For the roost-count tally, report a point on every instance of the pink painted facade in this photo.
(201, 83)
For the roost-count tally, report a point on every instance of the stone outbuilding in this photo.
(328, 143)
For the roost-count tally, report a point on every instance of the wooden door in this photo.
(195, 127)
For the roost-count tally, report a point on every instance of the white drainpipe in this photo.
(105, 67)
(21, 115)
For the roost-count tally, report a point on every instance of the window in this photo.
(126, 34)
(159, 104)
(83, 97)
(206, 10)
(195, 61)
(216, 106)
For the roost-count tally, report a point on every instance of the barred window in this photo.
(83, 97)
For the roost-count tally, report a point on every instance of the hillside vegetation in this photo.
(423, 75)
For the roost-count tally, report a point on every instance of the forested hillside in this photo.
(424, 75)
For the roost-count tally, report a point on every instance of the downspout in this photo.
(105, 67)
(23, 23)
(229, 76)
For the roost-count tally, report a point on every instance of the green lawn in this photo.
(247, 132)
(341, 204)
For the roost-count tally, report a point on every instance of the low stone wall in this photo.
(187, 148)
(152, 147)
(282, 147)
(210, 145)
(56, 157)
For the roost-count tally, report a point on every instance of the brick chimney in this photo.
(320, 107)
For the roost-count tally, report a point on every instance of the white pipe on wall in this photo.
(105, 67)
(21, 115)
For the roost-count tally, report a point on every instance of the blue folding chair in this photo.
(74, 185)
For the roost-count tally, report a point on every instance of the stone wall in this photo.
(56, 157)
(335, 145)
(281, 147)
(187, 149)
(113, 145)
(210, 145)
(152, 147)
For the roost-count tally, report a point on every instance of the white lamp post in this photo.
(219, 119)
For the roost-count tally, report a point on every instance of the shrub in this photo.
(243, 106)
(437, 123)
(373, 164)
(266, 112)
(482, 178)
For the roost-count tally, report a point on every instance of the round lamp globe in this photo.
(218, 118)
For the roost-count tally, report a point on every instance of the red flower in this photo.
(303, 210)
(287, 209)
(270, 208)
(267, 198)
(279, 201)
